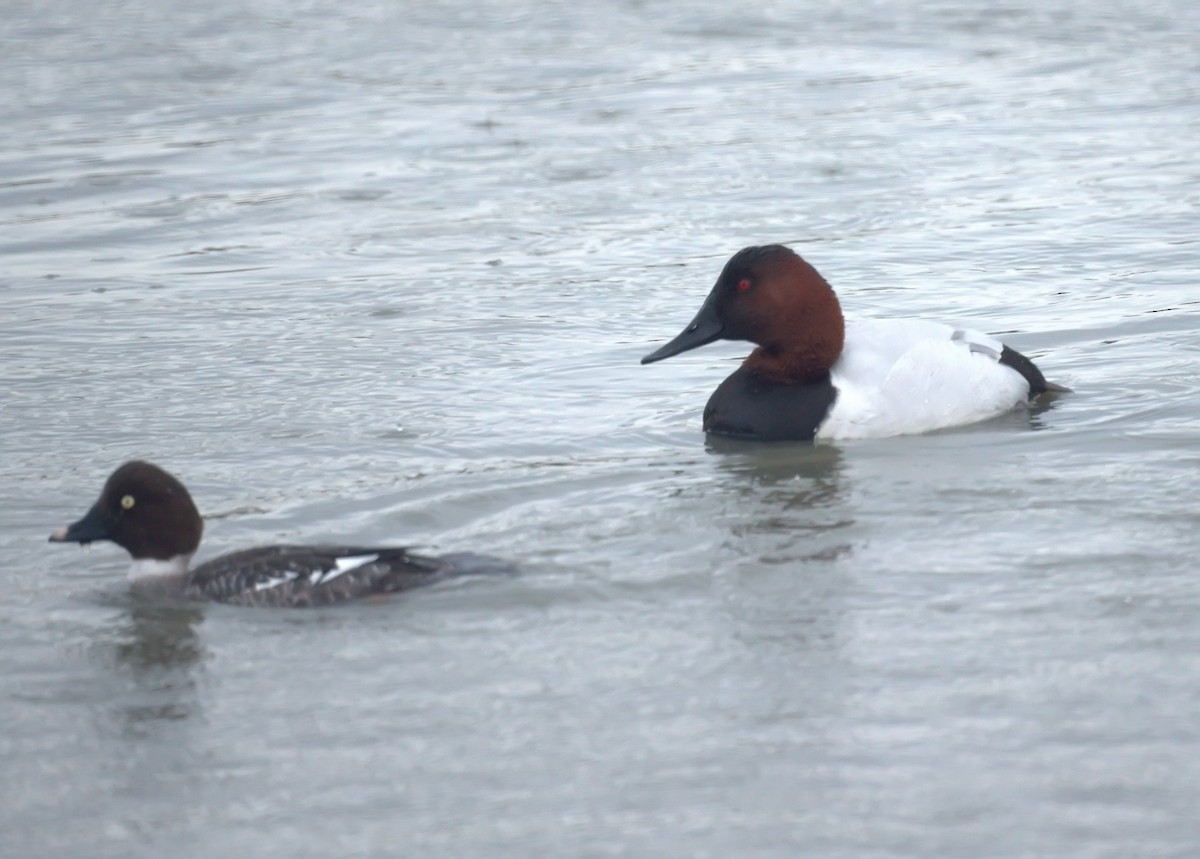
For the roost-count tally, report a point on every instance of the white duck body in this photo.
(903, 377)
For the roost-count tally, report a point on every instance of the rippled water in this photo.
(383, 272)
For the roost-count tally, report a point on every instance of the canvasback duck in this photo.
(816, 376)
(150, 514)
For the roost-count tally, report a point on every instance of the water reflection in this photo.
(787, 490)
(785, 603)
(789, 522)
(795, 475)
(159, 635)
(154, 644)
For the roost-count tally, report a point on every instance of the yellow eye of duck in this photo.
(127, 502)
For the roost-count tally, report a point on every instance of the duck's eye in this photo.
(743, 284)
(127, 502)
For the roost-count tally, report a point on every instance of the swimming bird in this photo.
(149, 513)
(815, 376)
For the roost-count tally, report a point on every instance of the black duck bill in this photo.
(704, 329)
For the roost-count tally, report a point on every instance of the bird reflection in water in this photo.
(155, 644)
(787, 489)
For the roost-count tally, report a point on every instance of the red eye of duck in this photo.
(743, 284)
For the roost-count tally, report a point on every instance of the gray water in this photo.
(382, 272)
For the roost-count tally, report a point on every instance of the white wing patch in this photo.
(343, 565)
(275, 582)
(319, 577)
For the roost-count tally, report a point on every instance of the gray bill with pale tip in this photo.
(92, 527)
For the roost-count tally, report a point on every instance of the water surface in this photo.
(383, 273)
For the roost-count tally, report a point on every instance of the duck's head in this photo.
(145, 511)
(768, 295)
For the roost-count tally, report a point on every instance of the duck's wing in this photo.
(301, 576)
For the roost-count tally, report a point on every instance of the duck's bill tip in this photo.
(704, 329)
(656, 355)
(89, 529)
(692, 337)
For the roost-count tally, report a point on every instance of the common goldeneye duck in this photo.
(150, 514)
(815, 376)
